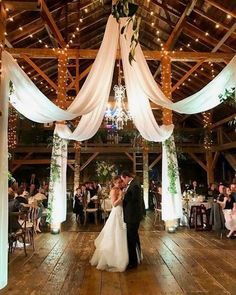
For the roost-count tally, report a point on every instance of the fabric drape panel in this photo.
(203, 100)
(57, 201)
(171, 203)
(98, 83)
(95, 89)
(138, 103)
(3, 185)
(27, 98)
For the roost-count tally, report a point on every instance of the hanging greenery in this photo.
(59, 147)
(171, 165)
(228, 97)
(127, 8)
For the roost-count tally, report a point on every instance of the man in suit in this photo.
(132, 206)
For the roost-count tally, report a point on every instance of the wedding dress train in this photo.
(111, 252)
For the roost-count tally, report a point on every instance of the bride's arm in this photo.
(116, 199)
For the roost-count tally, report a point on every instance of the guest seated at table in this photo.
(22, 196)
(222, 193)
(212, 192)
(13, 206)
(195, 188)
(228, 201)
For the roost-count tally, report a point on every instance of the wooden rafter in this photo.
(218, 45)
(215, 159)
(225, 120)
(19, 165)
(90, 159)
(195, 158)
(221, 7)
(130, 157)
(158, 158)
(170, 43)
(149, 55)
(39, 71)
(22, 5)
(46, 15)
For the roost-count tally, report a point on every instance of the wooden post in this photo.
(61, 102)
(210, 169)
(207, 124)
(145, 175)
(77, 166)
(166, 113)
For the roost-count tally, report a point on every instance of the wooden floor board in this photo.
(186, 262)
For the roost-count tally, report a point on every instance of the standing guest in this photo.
(78, 206)
(34, 180)
(212, 191)
(233, 193)
(132, 206)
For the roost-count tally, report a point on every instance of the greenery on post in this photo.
(55, 170)
(171, 165)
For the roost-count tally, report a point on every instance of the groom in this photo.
(132, 206)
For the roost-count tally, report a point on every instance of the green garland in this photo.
(171, 165)
(55, 170)
(126, 8)
(229, 97)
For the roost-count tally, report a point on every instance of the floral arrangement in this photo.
(105, 171)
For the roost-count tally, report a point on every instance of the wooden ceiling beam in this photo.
(39, 71)
(221, 122)
(48, 18)
(22, 5)
(170, 43)
(196, 66)
(149, 55)
(221, 7)
(173, 37)
(192, 31)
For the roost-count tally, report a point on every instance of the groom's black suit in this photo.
(132, 206)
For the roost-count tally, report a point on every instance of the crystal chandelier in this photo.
(118, 116)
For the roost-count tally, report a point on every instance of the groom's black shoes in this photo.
(131, 266)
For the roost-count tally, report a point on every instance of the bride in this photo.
(111, 252)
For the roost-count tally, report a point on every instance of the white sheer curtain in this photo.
(203, 100)
(57, 186)
(171, 202)
(138, 103)
(4, 188)
(34, 105)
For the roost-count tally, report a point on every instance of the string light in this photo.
(207, 123)
(12, 124)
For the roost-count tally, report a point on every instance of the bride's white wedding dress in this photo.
(111, 252)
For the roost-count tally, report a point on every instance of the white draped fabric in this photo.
(57, 187)
(4, 188)
(138, 103)
(171, 203)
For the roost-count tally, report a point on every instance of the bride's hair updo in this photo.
(114, 179)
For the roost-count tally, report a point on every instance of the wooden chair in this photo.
(93, 211)
(20, 234)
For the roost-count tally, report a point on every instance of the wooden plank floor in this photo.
(186, 262)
